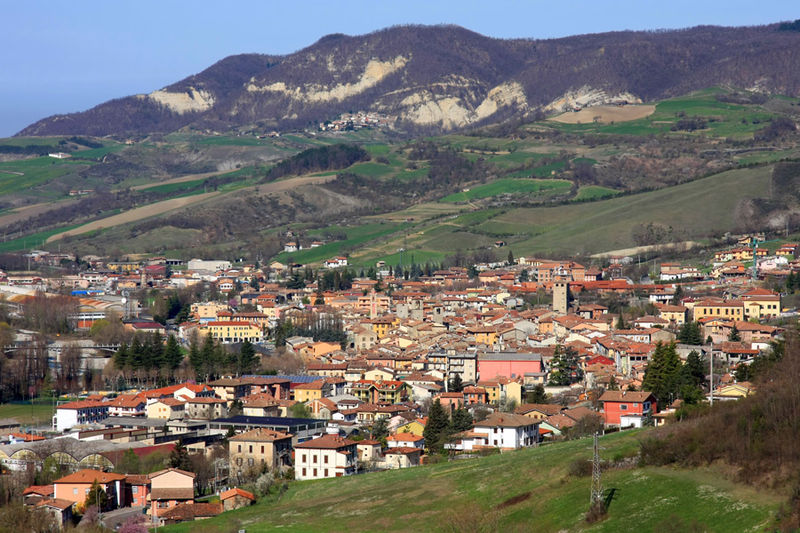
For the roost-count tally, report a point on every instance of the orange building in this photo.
(75, 487)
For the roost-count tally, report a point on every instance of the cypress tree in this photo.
(172, 353)
(435, 432)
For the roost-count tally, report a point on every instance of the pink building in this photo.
(508, 364)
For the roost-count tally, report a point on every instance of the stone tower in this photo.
(560, 292)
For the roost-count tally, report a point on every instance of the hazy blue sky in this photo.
(60, 57)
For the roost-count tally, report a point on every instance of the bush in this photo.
(580, 468)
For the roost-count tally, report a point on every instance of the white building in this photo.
(79, 413)
(324, 457)
(405, 440)
(336, 262)
(211, 265)
(508, 431)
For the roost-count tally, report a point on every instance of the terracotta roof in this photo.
(172, 494)
(58, 503)
(89, 475)
(402, 450)
(505, 420)
(137, 479)
(236, 492)
(327, 442)
(404, 437)
(261, 435)
(82, 404)
(625, 396)
(42, 490)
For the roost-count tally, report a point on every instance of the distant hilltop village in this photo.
(357, 121)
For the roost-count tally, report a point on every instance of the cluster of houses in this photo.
(483, 343)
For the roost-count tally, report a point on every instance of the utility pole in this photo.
(711, 380)
(596, 498)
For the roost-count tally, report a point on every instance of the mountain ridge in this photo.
(444, 78)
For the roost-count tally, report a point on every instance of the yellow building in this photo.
(761, 303)
(676, 314)
(315, 390)
(716, 308)
(229, 331)
(382, 325)
(415, 427)
(483, 335)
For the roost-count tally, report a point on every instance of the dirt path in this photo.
(159, 208)
(685, 245)
(147, 211)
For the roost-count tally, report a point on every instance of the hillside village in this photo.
(275, 373)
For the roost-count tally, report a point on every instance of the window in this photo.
(325, 459)
(315, 459)
(75, 492)
(304, 471)
(623, 407)
(326, 472)
(304, 458)
(135, 489)
(250, 462)
(262, 449)
(315, 472)
(251, 448)
(240, 447)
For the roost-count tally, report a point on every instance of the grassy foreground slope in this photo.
(476, 495)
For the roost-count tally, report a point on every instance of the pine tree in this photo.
(247, 358)
(677, 296)
(510, 257)
(121, 357)
(663, 372)
(620, 322)
(536, 395)
(693, 371)
(96, 496)
(612, 384)
(435, 432)
(172, 353)
(194, 356)
(179, 457)
(456, 385)
(461, 420)
(734, 335)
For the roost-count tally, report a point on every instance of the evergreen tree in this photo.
(121, 357)
(96, 496)
(510, 259)
(734, 335)
(456, 385)
(564, 368)
(612, 384)
(172, 353)
(742, 373)
(536, 394)
(621, 322)
(247, 358)
(380, 428)
(677, 296)
(693, 371)
(663, 372)
(523, 276)
(179, 457)
(461, 420)
(436, 428)
(194, 356)
(208, 353)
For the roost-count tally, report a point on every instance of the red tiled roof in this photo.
(89, 476)
(236, 492)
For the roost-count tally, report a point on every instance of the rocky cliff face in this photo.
(446, 78)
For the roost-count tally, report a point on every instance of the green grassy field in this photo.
(510, 186)
(356, 236)
(40, 413)
(17, 176)
(476, 495)
(594, 192)
(34, 240)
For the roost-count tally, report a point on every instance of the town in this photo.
(180, 390)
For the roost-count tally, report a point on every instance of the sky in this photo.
(58, 57)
